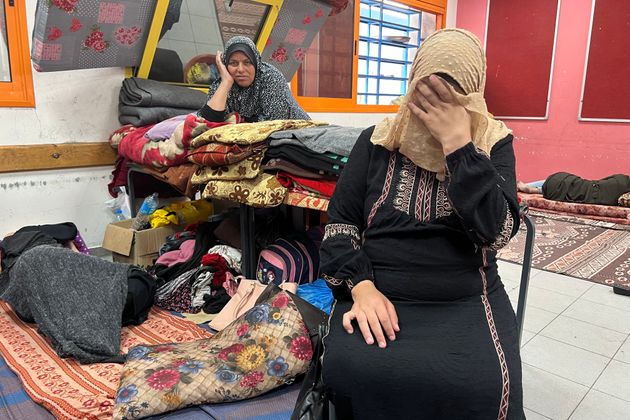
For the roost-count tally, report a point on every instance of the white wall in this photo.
(451, 13)
(76, 106)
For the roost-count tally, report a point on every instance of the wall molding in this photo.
(39, 157)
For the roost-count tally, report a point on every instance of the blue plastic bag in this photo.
(317, 294)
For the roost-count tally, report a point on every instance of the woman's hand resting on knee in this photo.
(373, 312)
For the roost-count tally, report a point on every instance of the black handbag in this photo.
(312, 402)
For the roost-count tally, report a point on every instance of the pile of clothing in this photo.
(231, 156)
(195, 272)
(310, 160)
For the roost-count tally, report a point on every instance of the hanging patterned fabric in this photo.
(83, 34)
(297, 25)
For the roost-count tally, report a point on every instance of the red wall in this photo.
(562, 143)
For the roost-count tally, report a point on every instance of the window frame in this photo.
(350, 105)
(19, 91)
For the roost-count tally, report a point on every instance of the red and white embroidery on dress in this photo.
(505, 375)
(386, 187)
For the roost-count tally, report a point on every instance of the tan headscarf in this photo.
(459, 54)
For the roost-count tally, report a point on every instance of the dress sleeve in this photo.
(208, 113)
(211, 115)
(482, 191)
(343, 262)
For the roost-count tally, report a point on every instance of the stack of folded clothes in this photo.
(310, 160)
(231, 156)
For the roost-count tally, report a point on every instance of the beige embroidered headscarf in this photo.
(459, 54)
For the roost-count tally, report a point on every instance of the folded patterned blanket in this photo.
(262, 191)
(249, 168)
(250, 133)
(137, 147)
(219, 154)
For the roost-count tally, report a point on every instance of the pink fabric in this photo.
(165, 129)
(80, 244)
(230, 284)
(180, 255)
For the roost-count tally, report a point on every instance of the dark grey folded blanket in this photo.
(151, 93)
(76, 300)
(139, 116)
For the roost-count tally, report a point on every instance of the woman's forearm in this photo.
(219, 99)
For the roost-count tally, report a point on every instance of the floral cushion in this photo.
(263, 349)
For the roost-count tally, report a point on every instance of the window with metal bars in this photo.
(390, 33)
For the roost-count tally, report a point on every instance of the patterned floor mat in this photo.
(584, 250)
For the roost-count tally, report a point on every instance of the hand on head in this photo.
(374, 313)
(447, 121)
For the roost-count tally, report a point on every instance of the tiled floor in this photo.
(575, 348)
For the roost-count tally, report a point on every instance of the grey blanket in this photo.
(139, 116)
(331, 138)
(150, 93)
(77, 301)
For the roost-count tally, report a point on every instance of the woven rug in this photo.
(577, 248)
(66, 388)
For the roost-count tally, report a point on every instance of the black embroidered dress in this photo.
(430, 247)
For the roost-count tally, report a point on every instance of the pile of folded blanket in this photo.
(144, 101)
(231, 158)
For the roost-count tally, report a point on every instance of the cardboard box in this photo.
(136, 247)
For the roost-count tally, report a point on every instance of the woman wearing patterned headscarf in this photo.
(257, 91)
(422, 327)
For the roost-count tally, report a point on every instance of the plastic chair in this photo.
(527, 266)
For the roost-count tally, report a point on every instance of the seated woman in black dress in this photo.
(256, 90)
(422, 327)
